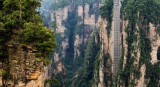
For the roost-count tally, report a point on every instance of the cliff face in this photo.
(24, 69)
(139, 63)
(90, 22)
(155, 42)
(86, 20)
(75, 24)
(25, 45)
(105, 71)
(154, 38)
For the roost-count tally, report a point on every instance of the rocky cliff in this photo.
(105, 71)
(75, 22)
(23, 69)
(139, 63)
(90, 23)
(26, 45)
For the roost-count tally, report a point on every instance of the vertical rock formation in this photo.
(76, 21)
(25, 69)
(139, 65)
(105, 71)
(25, 45)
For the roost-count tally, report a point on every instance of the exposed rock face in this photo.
(89, 19)
(105, 70)
(1, 70)
(124, 25)
(60, 68)
(77, 42)
(86, 23)
(155, 42)
(104, 49)
(80, 11)
(90, 24)
(25, 68)
(141, 81)
(58, 16)
(64, 47)
(101, 77)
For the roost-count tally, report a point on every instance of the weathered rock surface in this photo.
(25, 68)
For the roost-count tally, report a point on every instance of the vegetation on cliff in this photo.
(59, 4)
(75, 26)
(106, 13)
(140, 14)
(20, 24)
(22, 17)
(62, 3)
(86, 74)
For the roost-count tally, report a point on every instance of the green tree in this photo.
(40, 37)
(53, 82)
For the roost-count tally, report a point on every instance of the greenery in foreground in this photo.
(21, 24)
(24, 26)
